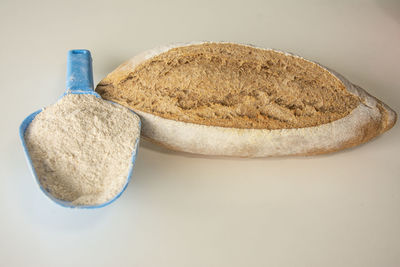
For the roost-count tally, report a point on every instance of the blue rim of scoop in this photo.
(79, 81)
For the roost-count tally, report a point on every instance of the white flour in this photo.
(81, 148)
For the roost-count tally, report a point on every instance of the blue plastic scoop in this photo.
(79, 81)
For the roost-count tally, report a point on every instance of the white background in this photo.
(341, 209)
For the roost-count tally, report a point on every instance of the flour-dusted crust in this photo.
(368, 120)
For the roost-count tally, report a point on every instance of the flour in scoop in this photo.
(81, 148)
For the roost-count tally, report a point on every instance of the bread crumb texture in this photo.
(231, 85)
(81, 148)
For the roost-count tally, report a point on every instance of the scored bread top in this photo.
(232, 85)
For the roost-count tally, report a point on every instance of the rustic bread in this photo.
(238, 100)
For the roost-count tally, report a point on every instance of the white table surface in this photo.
(341, 209)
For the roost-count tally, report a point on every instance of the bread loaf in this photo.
(238, 100)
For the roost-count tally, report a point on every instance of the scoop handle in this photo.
(79, 71)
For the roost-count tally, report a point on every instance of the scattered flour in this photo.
(81, 148)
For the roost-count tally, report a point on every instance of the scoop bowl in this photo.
(79, 81)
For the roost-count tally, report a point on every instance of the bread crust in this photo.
(368, 120)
